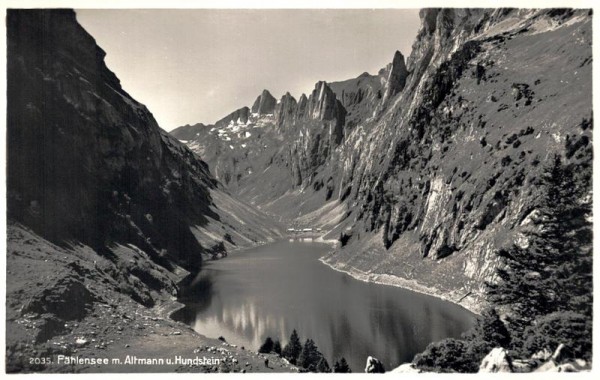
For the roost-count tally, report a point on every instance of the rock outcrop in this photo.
(396, 77)
(374, 366)
(264, 104)
(286, 109)
(190, 132)
(239, 116)
(496, 361)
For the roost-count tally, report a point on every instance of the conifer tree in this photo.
(292, 350)
(323, 366)
(267, 346)
(552, 273)
(341, 366)
(312, 359)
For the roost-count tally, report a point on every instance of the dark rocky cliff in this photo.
(87, 164)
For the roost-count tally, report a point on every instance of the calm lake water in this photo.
(273, 289)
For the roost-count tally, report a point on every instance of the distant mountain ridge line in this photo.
(430, 160)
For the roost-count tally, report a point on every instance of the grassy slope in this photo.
(552, 63)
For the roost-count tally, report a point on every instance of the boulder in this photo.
(496, 361)
(68, 299)
(374, 366)
(544, 354)
(406, 368)
(567, 367)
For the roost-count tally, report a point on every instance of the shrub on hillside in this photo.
(292, 350)
(267, 346)
(312, 359)
(569, 328)
(448, 355)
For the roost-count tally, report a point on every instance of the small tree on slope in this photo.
(292, 350)
(553, 273)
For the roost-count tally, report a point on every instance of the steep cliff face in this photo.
(447, 173)
(360, 96)
(432, 164)
(87, 164)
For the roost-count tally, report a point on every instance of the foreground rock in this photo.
(496, 361)
(374, 366)
(406, 368)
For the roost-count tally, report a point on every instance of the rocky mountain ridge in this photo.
(431, 165)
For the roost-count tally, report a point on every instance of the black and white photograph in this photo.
(354, 187)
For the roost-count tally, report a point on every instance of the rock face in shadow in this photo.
(88, 165)
(435, 164)
(85, 160)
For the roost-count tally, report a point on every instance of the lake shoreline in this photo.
(399, 282)
(390, 280)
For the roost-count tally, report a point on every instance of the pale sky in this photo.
(197, 65)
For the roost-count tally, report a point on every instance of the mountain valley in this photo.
(416, 176)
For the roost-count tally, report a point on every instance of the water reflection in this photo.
(271, 290)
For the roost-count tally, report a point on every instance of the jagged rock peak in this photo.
(286, 108)
(264, 104)
(396, 77)
(286, 97)
(301, 107)
(187, 132)
(428, 19)
(322, 104)
(237, 116)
